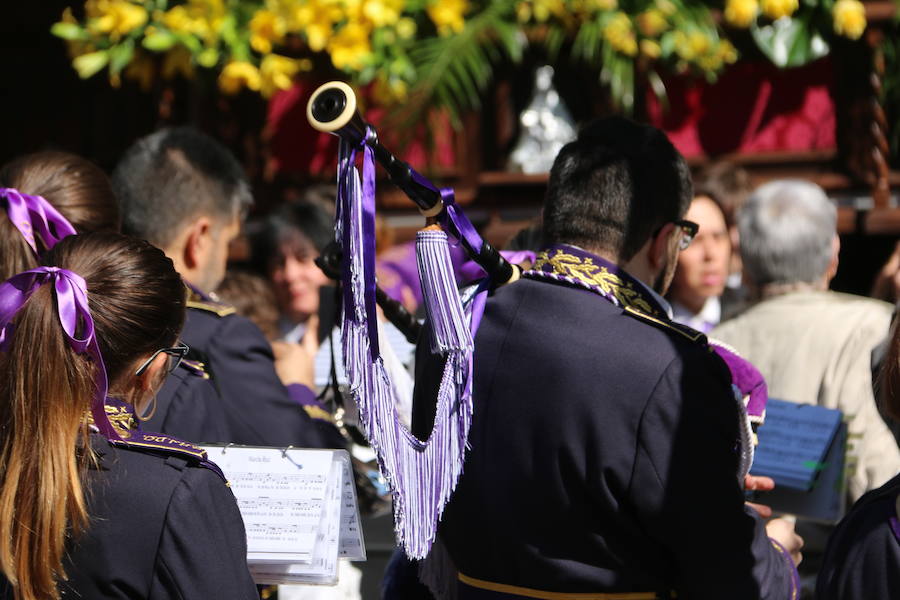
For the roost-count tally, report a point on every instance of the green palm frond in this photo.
(453, 71)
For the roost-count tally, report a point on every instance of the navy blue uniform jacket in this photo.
(602, 457)
(862, 561)
(243, 401)
(161, 527)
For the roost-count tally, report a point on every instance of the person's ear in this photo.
(197, 243)
(833, 264)
(151, 374)
(660, 247)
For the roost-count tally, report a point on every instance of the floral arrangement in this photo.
(438, 52)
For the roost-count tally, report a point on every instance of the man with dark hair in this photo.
(184, 192)
(603, 457)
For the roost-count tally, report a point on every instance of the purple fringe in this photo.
(421, 474)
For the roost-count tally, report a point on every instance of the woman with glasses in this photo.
(702, 266)
(88, 510)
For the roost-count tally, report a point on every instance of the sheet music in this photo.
(281, 498)
(793, 442)
(299, 508)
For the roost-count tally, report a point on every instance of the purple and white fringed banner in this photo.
(422, 475)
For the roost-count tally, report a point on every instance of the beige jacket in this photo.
(816, 348)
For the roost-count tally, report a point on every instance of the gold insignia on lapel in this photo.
(586, 271)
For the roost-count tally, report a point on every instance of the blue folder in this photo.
(802, 448)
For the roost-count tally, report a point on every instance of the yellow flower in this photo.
(350, 47)
(775, 9)
(652, 22)
(277, 73)
(605, 4)
(316, 20)
(727, 52)
(620, 34)
(114, 17)
(666, 7)
(177, 61)
(691, 46)
(447, 15)
(266, 28)
(650, 49)
(406, 28)
(382, 12)
(238, 75)
(849, 18)
(202, 18)
(741, 13)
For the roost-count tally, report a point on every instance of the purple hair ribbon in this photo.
(72, 309)
(33, 214)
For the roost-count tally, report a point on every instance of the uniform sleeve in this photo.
(260, 409)
(687, 494)
(203, 548)
(189, 409)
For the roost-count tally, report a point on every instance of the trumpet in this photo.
(333, 109)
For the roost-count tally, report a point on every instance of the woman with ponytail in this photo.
(88, 510)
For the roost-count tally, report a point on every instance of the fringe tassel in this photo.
(422, 475)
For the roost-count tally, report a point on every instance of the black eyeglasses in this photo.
(176, 355)
(689, 231)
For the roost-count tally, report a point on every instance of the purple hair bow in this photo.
(72, 308)
(33, 214)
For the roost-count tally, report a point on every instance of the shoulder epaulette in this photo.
(195, 300)
(195, 368)
(682, 330)
(165, 444)
(221, 310)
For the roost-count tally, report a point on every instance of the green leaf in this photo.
(91, 63)
(790, 41)
(159, 41)
(68, 31)
(120, 56)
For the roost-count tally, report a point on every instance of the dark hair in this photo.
(168, 178)
(701, 191)
(137, 303)
(253, 297)
(297, 223)
(888, 388)
(76, 187)
(726, 183)
(614, 186)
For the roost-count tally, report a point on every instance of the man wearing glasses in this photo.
(602, 456)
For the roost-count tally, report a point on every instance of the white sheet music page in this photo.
(281, 495)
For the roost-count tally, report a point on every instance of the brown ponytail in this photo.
(137, 302)
(76, 187)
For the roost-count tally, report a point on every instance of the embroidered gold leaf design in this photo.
(584, 270)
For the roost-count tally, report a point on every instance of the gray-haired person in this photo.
(813, 346)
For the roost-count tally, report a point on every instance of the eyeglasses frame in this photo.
(180, 352)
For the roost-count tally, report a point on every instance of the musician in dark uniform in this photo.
(186, 194)
(89, 516)
(603, 448)
(862, 560)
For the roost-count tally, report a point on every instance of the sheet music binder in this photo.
(802, 447)
(299, 508)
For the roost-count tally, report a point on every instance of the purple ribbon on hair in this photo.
(73, 311)
(33, 214)
(347, 158)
